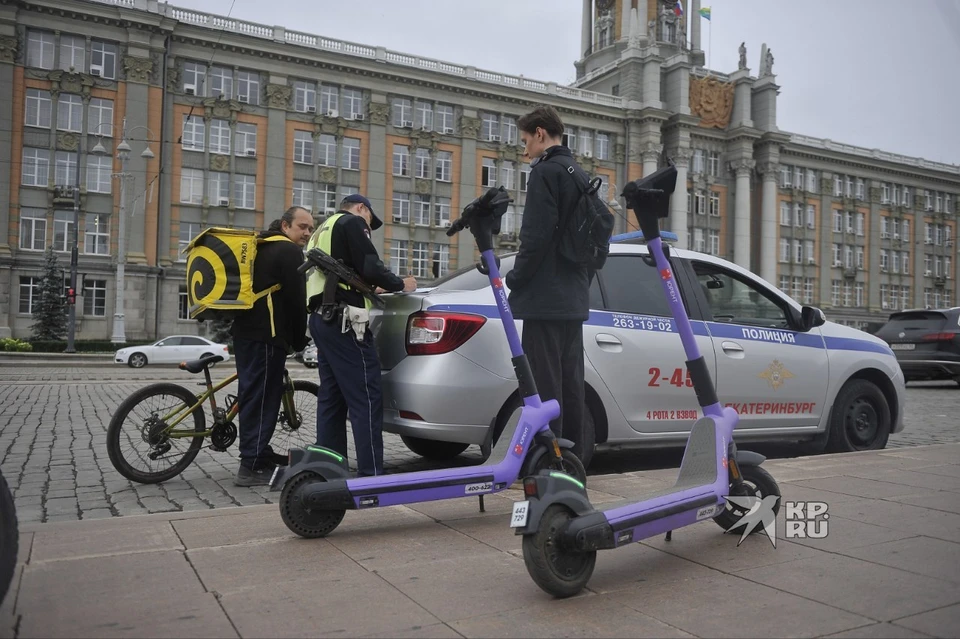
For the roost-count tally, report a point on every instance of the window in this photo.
(784, 249)
(66, 169)
(732, 299)
(508, 175)
(444, 166)
(188, 231)
(444, 118)
(488, 175)
(220, 137)
(191, 186)
(798, 252)
(808, 290)
(421, 210)
(525, 176)
(630, 286)
(441, 211)
(508, 128)
(714, 163)
(811, 181)
(905, 262)
(352, 100)
(303, 194)
(39, 109)
(351, 153)
(96, 239)
(421, 259)
(808, 249)
(603, 146)
(183, 305)
(245, 138)
(327, 150)
(785, 176)
(714, 204)
(221, 82)
(423, 115)
(40, 49)
(837, 221)
(714, 237)
(193, 133)
(699, 241)
(860, 263)
(398, 256)
(194, 76)
(304, 96)
(784, 214)
(302, 147)
(29, 294)
(401, 160)
(36, 167)
(103, 59)
(441, 260)
(401, 208)
(402, 112)
(72, 52)
(95, 298)
(811, 216)
(700, 206)
(698, 161)
(859, 224)
(100, 117)
(62, 230)
(33, 229)
(218, 188)
(69, 112)
(490, 127)
(423, 163)
(329, 100)
(248, 87)
(99, 169)
(245, 191)
(858, 291)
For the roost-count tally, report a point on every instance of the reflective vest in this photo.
(317, 278)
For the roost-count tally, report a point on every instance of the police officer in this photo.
(347, 358)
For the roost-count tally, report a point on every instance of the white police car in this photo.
(791, 375)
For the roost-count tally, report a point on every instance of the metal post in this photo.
(74, 255)
(119, 329)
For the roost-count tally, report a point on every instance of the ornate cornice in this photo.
(742, 168)
(138, 69)
(278, 96)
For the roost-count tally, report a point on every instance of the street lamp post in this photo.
(119, 335)
(74, 256)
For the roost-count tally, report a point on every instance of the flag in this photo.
(705, 12)
(678, 8)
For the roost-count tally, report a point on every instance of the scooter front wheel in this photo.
(557, 570)
(568, 463)
(310, 523)
(756, 482)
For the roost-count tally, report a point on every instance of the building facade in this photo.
(228, 123)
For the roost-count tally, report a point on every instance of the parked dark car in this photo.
(926, 342)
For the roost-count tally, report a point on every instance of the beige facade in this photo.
(246, 119)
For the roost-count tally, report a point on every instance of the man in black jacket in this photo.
(261, 342)
(550, 294)
(347, 360)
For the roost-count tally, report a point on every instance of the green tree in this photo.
(220, 331)
(50, 312)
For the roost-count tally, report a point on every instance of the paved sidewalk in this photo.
(889, 567)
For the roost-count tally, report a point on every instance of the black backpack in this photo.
(584, 236)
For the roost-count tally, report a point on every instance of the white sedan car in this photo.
(170, 350)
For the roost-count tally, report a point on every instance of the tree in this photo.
(50, 312)
(220, 331)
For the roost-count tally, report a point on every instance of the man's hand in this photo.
(380, 291)
(409, 284)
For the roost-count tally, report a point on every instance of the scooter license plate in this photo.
(521, 510)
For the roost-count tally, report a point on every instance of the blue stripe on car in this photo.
(716, 329)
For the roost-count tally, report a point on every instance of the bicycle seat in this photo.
(197, 365)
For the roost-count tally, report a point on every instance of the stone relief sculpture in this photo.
(712, 101)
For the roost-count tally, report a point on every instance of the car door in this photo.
(193, 348)
(166, 351)
(775, 377)
(633, 344)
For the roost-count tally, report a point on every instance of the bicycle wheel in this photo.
(299, 428)
(9, 538)
(147, 409)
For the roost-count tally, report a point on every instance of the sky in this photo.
(872, 73)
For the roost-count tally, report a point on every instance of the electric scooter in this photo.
(562, 531)
(315, 487)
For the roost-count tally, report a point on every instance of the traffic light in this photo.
(71, 296)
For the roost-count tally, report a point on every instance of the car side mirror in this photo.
(811, 317)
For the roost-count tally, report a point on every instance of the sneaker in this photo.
(258, 477)
(276, 458)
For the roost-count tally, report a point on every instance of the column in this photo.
(694, 20)
(586, 26)
(642, 18)
(741, 219)
(650, 153)
(768, 223)
(625, 19)
(678, 201)
(275, 196)
(8, 44)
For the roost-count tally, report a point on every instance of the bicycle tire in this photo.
(9, 538)
(284, 437)
(126, 407)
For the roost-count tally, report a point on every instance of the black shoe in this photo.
(276, 458)
(259, 477)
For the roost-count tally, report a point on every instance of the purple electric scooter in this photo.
(316, 490)
(562, 531)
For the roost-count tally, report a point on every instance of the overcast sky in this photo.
(873, 73)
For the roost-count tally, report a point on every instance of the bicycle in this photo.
(157, 425)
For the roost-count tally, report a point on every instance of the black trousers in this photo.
(555, 351)
(349, 384)
(260, 369)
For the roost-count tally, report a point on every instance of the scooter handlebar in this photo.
(487, 204)
(649, 197)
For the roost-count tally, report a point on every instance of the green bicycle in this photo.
(152, 426)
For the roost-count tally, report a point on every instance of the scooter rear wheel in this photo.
(558, 571)
(569, 464)
(300, 518)
(756, 482)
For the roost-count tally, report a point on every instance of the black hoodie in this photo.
(277, 263)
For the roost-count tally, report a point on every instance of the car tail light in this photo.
(436, 332)
(939, 337)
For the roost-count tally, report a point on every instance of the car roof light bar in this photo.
(638, 235)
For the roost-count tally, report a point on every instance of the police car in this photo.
(790, 374)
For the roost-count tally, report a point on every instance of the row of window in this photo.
(697, 203)
(420, 259)
(35, 233)
(706, 241)
(705, 161)
(325, 195)
(81, 54)
(442, 163)
(38, 112)
(322, 150)
(801, 290)
(93, 294)
(195, 136)
(218, 188)
(798, 177)
(216, 81)
(35, 169)
(421, 209)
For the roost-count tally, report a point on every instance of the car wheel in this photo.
(860, 419)
(137, 360)
(208, 355)
(433, 450)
